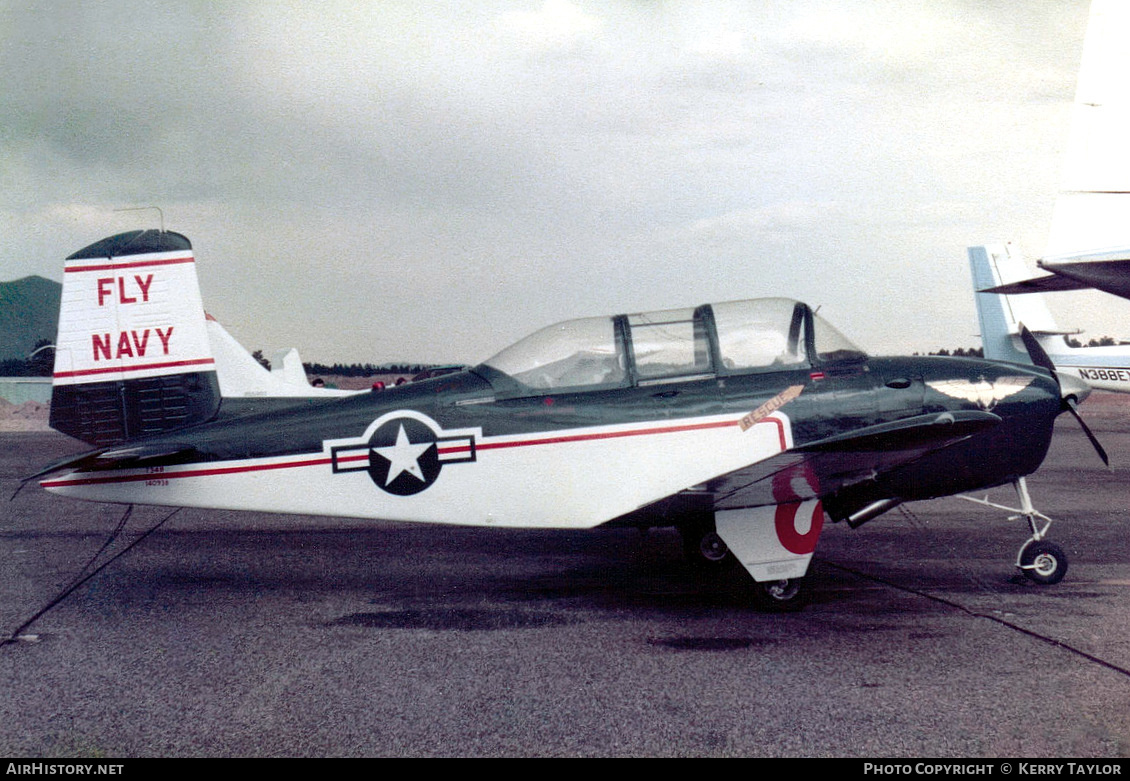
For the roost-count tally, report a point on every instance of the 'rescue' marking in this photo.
(771, 406)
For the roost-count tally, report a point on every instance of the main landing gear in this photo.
(702, 546)
(1039, 559)
(782, 596)
(705, 550)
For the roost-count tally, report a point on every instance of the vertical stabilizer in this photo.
(287, 366)
(241, 375)
(132, 356)
(1001, 315)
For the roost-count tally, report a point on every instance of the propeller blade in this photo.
(1036, 351)
(1069, 405)
(1040, 357)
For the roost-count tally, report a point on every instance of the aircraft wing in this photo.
(823, 467)
(1108, 272)
(1053, 283)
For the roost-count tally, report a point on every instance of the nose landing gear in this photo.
(1040, 560)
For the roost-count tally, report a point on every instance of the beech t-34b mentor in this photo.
(745, 424)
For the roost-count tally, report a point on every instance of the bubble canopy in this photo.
(735, 337)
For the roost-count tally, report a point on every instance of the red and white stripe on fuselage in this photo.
(130, 317)
(572, 478)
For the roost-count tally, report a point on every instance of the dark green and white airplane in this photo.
(745, 424)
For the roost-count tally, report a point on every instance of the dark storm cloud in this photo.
(560, 158)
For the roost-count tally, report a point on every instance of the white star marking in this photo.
(403, 457)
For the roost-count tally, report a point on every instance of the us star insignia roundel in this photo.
(403, 453)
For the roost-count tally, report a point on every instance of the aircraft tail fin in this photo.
(132, 356)
(241, 375)
(1000, 315)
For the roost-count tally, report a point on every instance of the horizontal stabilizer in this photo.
(1107, 270)
(1110, 276)
(70, 462)
(120, 458)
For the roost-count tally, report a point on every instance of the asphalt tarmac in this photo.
(240, 634)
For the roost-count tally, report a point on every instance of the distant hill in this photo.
(29, 311)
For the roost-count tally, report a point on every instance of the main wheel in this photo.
(703, 547)
(1043, 562)
(711, 548)
(783, 596)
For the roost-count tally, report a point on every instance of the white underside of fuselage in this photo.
(573, 478)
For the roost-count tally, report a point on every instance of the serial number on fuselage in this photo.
(1108, 375)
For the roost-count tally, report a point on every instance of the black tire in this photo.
(704, 548)
(1043, 562)
(783, 596)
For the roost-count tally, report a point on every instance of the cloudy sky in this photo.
(375, 181)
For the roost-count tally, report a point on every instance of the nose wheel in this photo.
(1043, 562)
(1039, 559)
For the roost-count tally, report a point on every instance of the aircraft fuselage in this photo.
(456, 450)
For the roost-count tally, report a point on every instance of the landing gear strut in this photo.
(1040, 560)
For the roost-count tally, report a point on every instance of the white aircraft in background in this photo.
(1003, 317)
(1089, 238)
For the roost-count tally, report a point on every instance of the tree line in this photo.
(364, 369)
(351, 369)
(41, 363)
